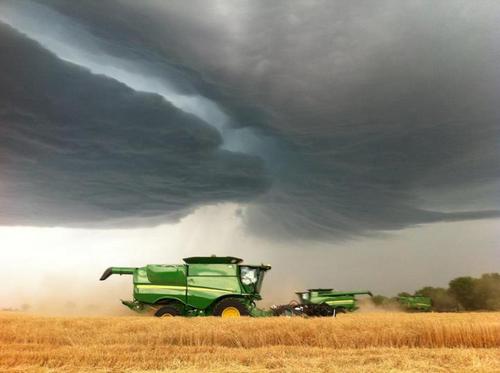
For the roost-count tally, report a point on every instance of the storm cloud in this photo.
(78, 147)
(342, 118)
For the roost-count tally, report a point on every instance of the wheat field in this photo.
(370, 342)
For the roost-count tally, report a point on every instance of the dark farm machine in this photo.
(321, 302)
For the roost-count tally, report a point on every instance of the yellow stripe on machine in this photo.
(340, 301)
(173, 287)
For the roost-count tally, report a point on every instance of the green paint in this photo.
(335, 299)
(416, 303)
(196, 286)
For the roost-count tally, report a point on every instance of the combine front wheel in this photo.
(324, 310)
(230, 307)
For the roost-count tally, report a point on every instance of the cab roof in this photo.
(212, 260)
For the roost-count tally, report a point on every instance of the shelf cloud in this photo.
(324, 119)
(79, 148)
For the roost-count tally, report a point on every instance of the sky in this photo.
(349, 144)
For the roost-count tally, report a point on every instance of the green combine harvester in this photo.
(415, 303)
(322, 302)
(211, 286)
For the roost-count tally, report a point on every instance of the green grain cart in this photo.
(217, 286)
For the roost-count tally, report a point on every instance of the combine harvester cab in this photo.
(211, 286)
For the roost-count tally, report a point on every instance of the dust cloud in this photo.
(57, 270)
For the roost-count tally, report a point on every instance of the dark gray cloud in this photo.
(77, 148)
(368, 115)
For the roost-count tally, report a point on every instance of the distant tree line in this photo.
(463, 293)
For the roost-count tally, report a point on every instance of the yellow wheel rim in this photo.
(167, 315)
(230, 312)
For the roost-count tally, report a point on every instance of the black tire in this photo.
(340, 310)
(230, 303)
(168, 310)
(325, 310)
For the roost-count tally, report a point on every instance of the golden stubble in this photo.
(361, 342)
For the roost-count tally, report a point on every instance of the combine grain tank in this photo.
(218, 286)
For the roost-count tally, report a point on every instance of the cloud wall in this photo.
(344, 119)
